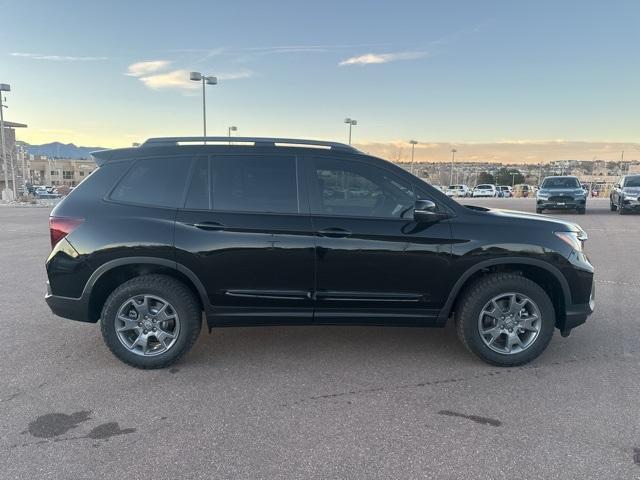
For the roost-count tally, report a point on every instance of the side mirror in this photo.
(617, 185)
(425, 211)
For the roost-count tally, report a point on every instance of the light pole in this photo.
(4, 88)
(453, 159)
(199, 77)
(229, 130)
(413, 149)
(351, 123)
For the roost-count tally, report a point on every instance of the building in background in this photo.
(58, 171)
(14, 169)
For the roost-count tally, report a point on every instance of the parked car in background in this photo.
(167, 234)
(522, 191)
(625, 195)
(485, 190)
(505, 191)
(458, 191)
(561, 193)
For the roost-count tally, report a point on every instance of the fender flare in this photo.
(457, 287)
(164, 262)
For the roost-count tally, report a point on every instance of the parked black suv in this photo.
(561, 193)
(277, 231)
(625, 196)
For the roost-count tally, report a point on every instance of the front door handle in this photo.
(334, 232)
(212, 226)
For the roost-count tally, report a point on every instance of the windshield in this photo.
(632, 181)
(560, 182)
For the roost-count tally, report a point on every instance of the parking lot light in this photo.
(413, 149)
(4, 88)
(206, 80)
(229, 130)
(351, 122)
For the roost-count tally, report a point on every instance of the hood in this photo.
(524, 218)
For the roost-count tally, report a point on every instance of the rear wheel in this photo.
(150, 321)
(505, 319)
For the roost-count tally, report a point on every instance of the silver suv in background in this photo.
(625, 195)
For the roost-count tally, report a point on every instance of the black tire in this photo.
(582, 211)
(622, 210)
(538, 210)
(612, 205)
(181, 299)
(475, 298)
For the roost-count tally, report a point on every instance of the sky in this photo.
(498, 80)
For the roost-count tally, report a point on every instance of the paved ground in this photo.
(320, 402)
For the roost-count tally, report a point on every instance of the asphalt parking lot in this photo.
(321, 402)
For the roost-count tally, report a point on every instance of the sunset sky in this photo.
(499, 80)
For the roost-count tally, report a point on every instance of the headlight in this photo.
(574, 239)
(543, 196)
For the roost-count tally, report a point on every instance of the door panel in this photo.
(254, 265)
(371, 262)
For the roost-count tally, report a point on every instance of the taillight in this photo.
(60, 227)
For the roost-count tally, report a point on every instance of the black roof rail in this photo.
(256, 141)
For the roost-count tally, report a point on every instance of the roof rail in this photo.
(256, 141)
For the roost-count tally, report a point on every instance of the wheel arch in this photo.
(539, 271)
(111, 274)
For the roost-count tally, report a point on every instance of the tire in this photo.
(184, 325)
(582, 211)
(622, 210)
(538, 210)
(612, 206)
(477, 297)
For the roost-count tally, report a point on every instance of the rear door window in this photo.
(156, 182)
(254, 183)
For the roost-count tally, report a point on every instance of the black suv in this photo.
(561, 193)
(289, 232)
(625, 195)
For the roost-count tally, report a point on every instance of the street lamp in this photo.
(351, 123)
(453, 159)
(229, 130)
(4, 88)
(413, 148)
(199, 77)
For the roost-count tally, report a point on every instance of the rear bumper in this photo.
(67, 307)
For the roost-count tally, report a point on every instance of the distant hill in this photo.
(60, 150)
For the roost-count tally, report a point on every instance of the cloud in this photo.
(180, 79)
(140, 69)
(375, 58)
(57, 58)
(173, 79)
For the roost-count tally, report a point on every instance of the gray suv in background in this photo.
(625, 196)
(561, 193)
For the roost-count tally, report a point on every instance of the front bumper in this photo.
(577, 314)
(630, 204)
(561, 205)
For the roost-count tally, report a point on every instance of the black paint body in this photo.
(252, 268)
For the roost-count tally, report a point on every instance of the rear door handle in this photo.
(334, 232)
(212, 226)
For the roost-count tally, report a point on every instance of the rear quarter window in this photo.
(154, 181)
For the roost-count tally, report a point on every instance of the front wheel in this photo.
(582, 211)
(151, 321)
(505, 319)
(612, 205)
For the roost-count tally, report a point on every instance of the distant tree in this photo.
(505, 176)
(485, 177)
